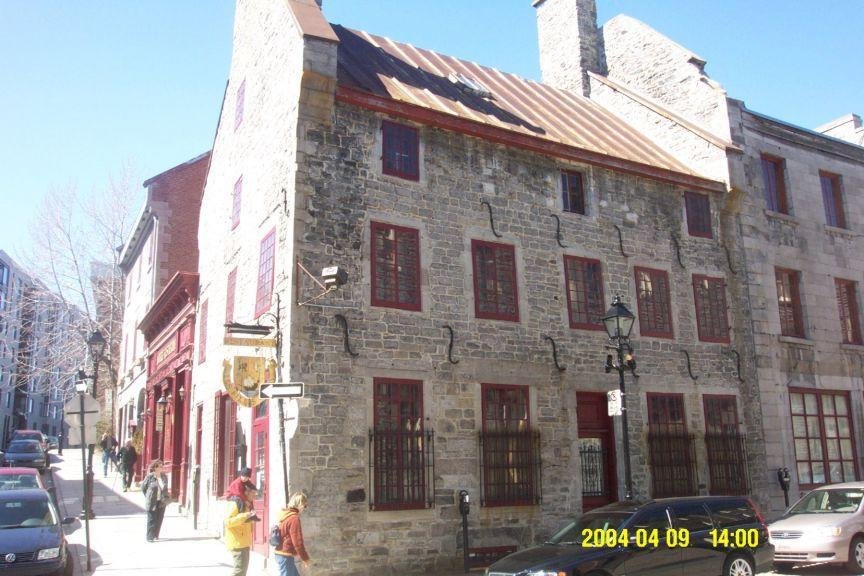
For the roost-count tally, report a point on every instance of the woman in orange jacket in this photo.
(292, 537)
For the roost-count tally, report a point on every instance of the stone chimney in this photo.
(570, 43)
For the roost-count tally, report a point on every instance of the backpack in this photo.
(276, 537)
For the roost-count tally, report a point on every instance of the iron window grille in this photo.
(573, 192)
(727, 463)
(395, 266)
(672, 460)
(593, 462)
(510, 470)
(698, 208)
(655, 310)
(401, 150)
(585, 300)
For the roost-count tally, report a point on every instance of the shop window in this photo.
(823, 436)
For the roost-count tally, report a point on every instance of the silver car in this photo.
(823, 527)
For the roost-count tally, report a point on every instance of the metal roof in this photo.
(422, 78)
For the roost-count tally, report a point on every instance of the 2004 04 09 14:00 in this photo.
(672, 538)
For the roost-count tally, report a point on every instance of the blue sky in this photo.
(87, 85)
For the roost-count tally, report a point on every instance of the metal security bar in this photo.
(510, 470)
(727, 464)
(593, 459)
(672, 459)
(401, 469)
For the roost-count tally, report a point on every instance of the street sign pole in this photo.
(87, 487)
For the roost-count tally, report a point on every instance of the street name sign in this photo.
(282, 390)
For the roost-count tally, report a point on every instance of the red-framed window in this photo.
(239, 103)
(655, 308)
(832, 198)
(572, 192)
(399, 467)
(224, 453)
(395, 265)
(774, 176)
(401, 150)
(789, 302)
(847, 306)
(231, 286)
(495, 292)
(824, 437)
(236, 200)
(670, 448)
(698, 208)
(725, 446)
(202, 332)
(585, 302)
(266, 263)
(709, 295)
(509, 448)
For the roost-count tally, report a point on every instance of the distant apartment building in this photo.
(162, 244)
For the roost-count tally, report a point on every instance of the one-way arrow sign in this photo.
(282, 390)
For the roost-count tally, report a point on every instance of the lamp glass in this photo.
(81, 386)
(96, 345)
(618, 320)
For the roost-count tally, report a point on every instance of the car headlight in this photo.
(829, 531)
(48, 553)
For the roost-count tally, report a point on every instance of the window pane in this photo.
(495, 281)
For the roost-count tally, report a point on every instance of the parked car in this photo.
(31, 536)
(826, 526)
(27, 453)
(31, 435)
(707, 535)
(20, 478)
(53, 442)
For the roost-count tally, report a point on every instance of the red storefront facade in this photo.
(169, 329)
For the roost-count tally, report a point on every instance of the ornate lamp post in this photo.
(96, 347)
(619, 322)
(87, 509)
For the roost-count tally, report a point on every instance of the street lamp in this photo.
(619, 322)
(96, 347)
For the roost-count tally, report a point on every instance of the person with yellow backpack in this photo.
(287, 536)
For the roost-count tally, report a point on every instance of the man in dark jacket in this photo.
(128, 456)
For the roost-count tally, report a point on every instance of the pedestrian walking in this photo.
(238, 527)
(127, 457)
(108, 445)
(292, 537)
(244, 478)
(156, 498)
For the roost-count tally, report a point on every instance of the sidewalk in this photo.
(117, 534)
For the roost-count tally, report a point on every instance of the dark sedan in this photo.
(708, 536)
(31, 537)
(27, 454)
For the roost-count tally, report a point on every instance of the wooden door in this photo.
(596, 450)
(260, 476)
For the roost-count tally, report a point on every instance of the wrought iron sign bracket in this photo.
(344, 321)
(554, 353)
(621, 241)
(689, 368)
(491, 219)
(450, 346)
(677, 249)
(558, 230)
(737, 364)
(729, 260)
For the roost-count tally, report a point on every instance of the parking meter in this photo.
(784, 480)
(464, 509)
(464, 503)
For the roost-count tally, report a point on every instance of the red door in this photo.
(260, 459)
(596, 450)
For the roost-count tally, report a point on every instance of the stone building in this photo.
(162, 244)
(793, 222)
(485, 223)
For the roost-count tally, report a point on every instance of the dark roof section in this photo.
(374, 70)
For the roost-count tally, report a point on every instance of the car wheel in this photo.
(738, 566)
(856, 555)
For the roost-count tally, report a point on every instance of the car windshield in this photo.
(26, 513)
(23, 446)
(572, 533)
(833, 501)
(18, 481)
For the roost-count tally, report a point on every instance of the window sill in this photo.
(853, 348)
(844, 232)
(796, 341)
(780, 216)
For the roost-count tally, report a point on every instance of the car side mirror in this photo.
(68, 520)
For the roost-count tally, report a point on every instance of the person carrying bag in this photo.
(291, 533)
(156, 498)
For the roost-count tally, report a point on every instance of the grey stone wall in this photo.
(570, 43)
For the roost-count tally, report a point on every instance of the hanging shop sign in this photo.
(243, 377)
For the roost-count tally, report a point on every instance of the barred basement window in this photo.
(395, 266)
(495, 291)
(710, 298)
(725, 447)
(671, 455)
(789, 302)
(585, 301)
(401, 463)
(652, 295)
(824, 437)
(698, 208)
(401, 150)
(509, 449)
(847, 304)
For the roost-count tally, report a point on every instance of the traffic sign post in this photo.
(282, 390)
(86, 412)
(614, 405)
